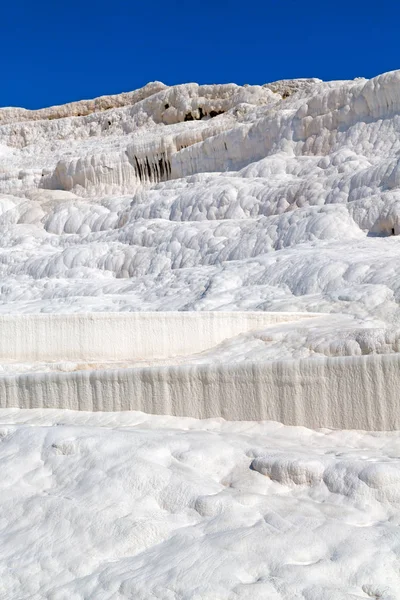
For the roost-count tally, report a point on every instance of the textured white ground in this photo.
(123, 505)
(283, 197)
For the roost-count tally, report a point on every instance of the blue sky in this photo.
(57, 51)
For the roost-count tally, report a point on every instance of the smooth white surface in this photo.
(125, 336)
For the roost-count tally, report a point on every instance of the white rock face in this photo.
(276, 197)
(282, 197)
(131, 336)
(343, 372)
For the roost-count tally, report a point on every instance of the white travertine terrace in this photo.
(280, 197)
(125, 336)
(339, 393)
(160, 251)
(95, 362)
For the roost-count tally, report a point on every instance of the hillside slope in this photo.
(276, 197)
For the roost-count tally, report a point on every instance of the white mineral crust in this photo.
(280, 197)
(118, 506)
(283, 197)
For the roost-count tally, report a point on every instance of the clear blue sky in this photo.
(55, 51)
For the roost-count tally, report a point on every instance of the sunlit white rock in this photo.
(278, 203)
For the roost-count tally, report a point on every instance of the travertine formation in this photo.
(274, 197)
(210, 205)
(280, 197)
(237, 365)
(128, 505)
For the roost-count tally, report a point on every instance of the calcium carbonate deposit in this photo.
(277, 197)
(283, 197)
